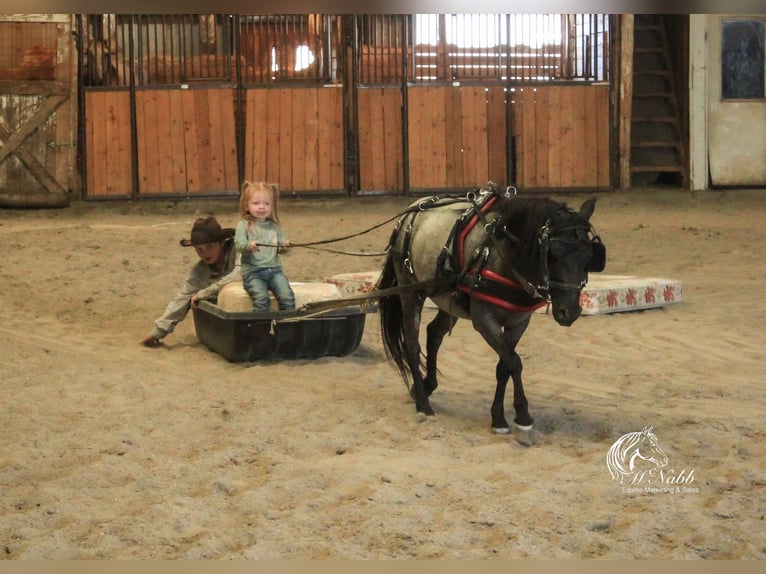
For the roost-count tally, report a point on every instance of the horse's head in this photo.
(649, 448)
(570, 251)
(100, 64)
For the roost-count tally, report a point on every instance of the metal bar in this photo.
(81, 139)
(510, 156)
(239, 111)
(133, 119)
(407, 23)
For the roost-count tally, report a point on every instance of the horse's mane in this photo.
(616, 457)
(525, 215)
(523, 218)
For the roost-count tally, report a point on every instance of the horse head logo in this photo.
(629, 449)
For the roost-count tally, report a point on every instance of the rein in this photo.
(421, 206)
(471, 275)
(313, 244)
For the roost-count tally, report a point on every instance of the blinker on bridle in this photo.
(545, 237)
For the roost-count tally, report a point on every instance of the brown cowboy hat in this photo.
(207, 230)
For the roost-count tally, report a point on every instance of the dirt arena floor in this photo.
(110, 450)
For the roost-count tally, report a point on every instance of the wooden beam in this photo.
(33, 88)
(61, 18)
(625, 98)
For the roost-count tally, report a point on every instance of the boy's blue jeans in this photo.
(258, 283)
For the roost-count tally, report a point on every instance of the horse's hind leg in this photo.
(436, 331)
(412, 306)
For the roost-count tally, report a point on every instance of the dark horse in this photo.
(490, 257)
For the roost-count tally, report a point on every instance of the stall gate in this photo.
(38, 111)
(192, 105)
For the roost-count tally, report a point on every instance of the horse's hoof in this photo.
(421, 418)
(525, 428)
(501, 430)
(524, 438)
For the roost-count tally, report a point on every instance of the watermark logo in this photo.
(639, 464)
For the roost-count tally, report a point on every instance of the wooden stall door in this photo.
(186, 141)
(38, 110)
(294, 137)
(108, 148)
(562, 136)
(456, 137)
(380, 139)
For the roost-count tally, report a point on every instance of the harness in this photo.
(469, 273)
(513, 293)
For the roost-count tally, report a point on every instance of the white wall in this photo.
(736, 129)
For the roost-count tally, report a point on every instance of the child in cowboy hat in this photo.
(219, 264)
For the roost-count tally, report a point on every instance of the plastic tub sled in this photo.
(233, 330)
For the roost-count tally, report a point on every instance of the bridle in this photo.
(548, 233)
(545, 237)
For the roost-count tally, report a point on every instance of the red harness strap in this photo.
(510, 287)
(507, 286)
(467, 229)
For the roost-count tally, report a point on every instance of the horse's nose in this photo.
(564, 316)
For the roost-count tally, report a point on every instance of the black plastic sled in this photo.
(301, 334)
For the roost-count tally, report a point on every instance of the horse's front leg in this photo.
(503, 336)
(503, 372)
(410, 333)
(436, 331)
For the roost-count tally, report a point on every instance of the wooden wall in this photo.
(457, 139)
(562, 136)
(380, 139)
(294, 137)
(185, 142)
(108, 151)
(456, 136)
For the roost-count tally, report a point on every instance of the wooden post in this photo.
(625, 98)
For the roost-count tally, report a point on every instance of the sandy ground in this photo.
(110, 450)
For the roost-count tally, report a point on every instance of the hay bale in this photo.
(234, 298)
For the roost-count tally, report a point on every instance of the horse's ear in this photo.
(587, 208)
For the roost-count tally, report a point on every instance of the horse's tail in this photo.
(391, 324)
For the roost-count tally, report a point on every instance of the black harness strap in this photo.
(489, 230)
(447, 263)
(406, 260)
(470, 274)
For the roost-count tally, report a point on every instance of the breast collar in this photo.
(510, 293)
